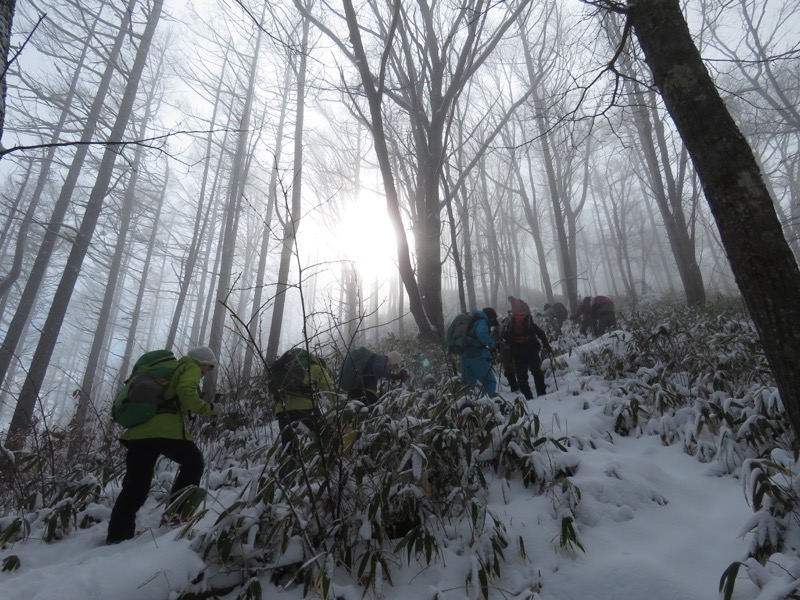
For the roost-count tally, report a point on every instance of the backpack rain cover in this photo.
(140, 398)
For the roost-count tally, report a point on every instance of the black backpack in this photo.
(351, 377)
(289, 374)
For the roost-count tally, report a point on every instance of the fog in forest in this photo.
(236, 174)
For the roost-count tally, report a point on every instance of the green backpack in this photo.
(351, 377)
(140, 398)
(459, 335)
(289, 374)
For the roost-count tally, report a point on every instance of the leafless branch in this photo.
(141, 142)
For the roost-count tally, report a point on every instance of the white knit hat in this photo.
(203, 355)
(394, 358)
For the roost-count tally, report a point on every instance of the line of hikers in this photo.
(161, 389)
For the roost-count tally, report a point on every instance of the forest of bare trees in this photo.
(183, 173)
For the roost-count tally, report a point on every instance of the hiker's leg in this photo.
(139, 463)
(370, 396)
(468, 372)
(519, 353)
(538, 374)
(508, 369)
(288, 436)
(585, 324)
(488, 379)
(479, 370)
(288, 421)
(191, 462)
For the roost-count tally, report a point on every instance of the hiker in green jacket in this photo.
(163, 435)
(296, 392)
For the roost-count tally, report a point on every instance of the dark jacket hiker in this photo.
(597, 314)
(526, 338)
(362, 369)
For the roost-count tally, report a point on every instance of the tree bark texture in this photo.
(6, 18)
(761, 260)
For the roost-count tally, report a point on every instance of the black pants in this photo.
(526, 358)
(287, 421)
(509, 370)
(606, 321)
(139, 464)
(366, 395)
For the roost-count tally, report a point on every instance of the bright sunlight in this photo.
(365, 237)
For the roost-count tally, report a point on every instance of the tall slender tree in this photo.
(23, 412)
(6, 20)
(733, 185)
(51, 235)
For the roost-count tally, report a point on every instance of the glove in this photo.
(401, 376)
(216, 409)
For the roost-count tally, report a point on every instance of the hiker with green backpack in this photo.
(362, 369)
(297, 380)
(151, 405)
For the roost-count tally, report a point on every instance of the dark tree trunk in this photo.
(739, 199)
(6, 18)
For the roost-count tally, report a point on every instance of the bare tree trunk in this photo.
(531, 211)
(199, 221)
(293, 212)
(662, 255)
(605, 244)
(465, 217)
(734, 187)
(44, 170)
(6, 18)
(668, 198)
(451, 222)
(425, 321)
(23, 412)
(126, 210)
(142, 290)
(236, 188)
(39, 268)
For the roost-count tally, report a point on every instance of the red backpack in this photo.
(519, 330)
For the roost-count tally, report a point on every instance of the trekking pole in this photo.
(552, 368)
(212, 438)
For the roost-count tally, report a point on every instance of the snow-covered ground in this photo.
(655, 523)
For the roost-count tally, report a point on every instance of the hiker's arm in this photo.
(542, 336)
(379, 366)
(321, 379)
(188, 397)
(482, 334)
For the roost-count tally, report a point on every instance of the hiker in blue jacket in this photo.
(476, 360)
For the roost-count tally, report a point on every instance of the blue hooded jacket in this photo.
(484, 342)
